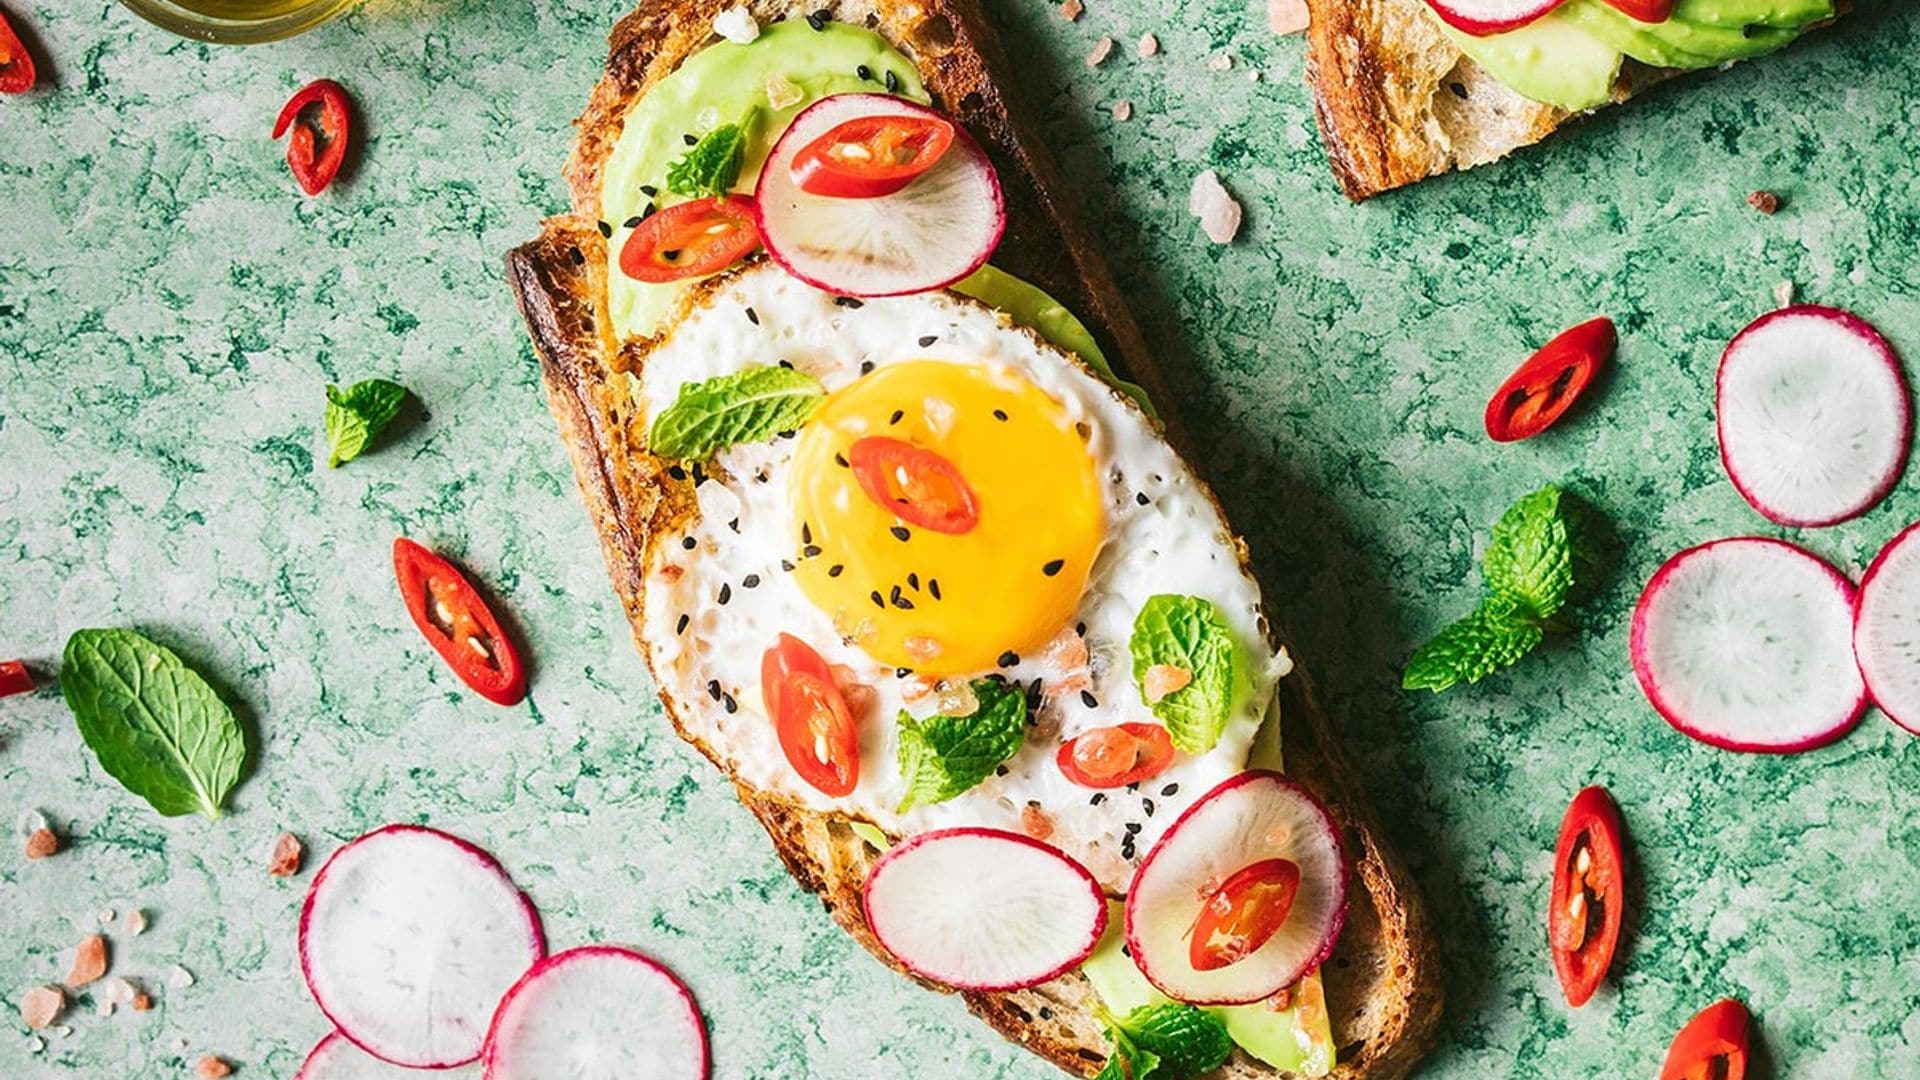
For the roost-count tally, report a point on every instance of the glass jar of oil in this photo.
(238, 22)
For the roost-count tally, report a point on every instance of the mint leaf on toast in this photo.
(1188, 633)
(712, 165)
(742, 406)
(1168, 1041)
(943, 756)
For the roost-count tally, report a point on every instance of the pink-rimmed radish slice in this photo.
(1255, 816)
(1813, 415)
(983, 909)
(930, 234)
(1886, 629)
(335, 1057)
(1483, 18)
(1746, 644)
(598, 1011)
(407, 940)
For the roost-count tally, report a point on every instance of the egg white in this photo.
(1176, 542)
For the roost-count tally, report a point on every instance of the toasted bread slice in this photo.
(1398, 103)
(1382, 982)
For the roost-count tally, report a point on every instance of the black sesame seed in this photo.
(1147, 805)
(1000, 414)
(787, 565)
(1135, 786)
(676, 472)
(753, 317)
(928, 340)
(933, 586)
(834, 570)
(1132, 827)
(681, 626)
(713, 689)
(806, 533)
(878, 600)
(815, 20)
(898, 415)
(689, 543)
(849, 302)
(913, 581)
(866, 367)
(751, 581)
(1009, 658)
(893, 83)
(1053, 567)
(1141, 498)
(902, 672)
(699, 475)
(732, 705)
(649, 190)
(689, 139)
(810, 551)
(1080, 629)
(1087, 699)
(1098, 798)
(578, 258)
(647, 211)
(1045, 1013)
(632, 222)
(788, 364)
(606, 230)
(1170, 790)
(734, 525)
(895, 594)
(726, 592)
(670, 255)
(841, 460)
(1000, 770)
(865, 73)
(902, 602)
(900, 533)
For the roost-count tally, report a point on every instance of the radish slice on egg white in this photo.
(599, 1012)
(1483, 18)
(407, 940)
(1813, 415)
(335, 1057)
(1249, 818)
(1886, 629)
(983, 909)
(1746, 644)
(930, 234)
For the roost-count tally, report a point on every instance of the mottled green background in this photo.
(170, 309)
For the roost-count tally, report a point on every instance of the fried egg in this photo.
(1083, 512)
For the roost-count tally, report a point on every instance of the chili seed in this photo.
(1009, 658)
(900, 533)
(928, 340)
(1053, 567)
(1087, 699)
(726, 592)
(751, 581)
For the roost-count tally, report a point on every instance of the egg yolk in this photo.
(999, 564)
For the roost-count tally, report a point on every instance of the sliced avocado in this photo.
(1675, 43)
(1551, 60)
(1739, 14)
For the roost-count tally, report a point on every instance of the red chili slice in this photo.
(17, 73)
(1548, 384)
(1243, 914)
(458, 624)
(1647, 11)
(15, 678)
(1111, 757)
(917, 486)
(691, 239)
(1713, 1046)
(1589, 883)
(321, 119)
(810, 716)
(870, 156)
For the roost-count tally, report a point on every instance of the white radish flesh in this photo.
(982, 909)
(1249, 818)
(1485, 17)
(1813, 415)
(931, 233)
(335, 1057)
(408, 939)
(599, 1012)
(1886, 629)
(1745, 644)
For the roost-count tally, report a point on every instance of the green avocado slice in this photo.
(1740, 14)
(1675, 43)
(1551, 60)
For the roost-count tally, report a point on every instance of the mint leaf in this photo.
(744, 406)
(942, 756)
(712, 165)
(355, 415)
(1498, 633)
(1169, 1041)
(1188, 633)
(154, 723)
(1531, 556)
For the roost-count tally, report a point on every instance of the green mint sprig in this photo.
(1540, 557)
(1169, 1041)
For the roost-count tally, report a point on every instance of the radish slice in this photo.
(1745, 644)
(930, 234)
(1814, 419)
(1483, 18)
(599, 1012)
(1251, 817)
(1886, 629)
(407, 940)
(982, 909)
(335, 1057)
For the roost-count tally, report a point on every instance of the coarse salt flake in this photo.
(1209, 201)
(737, 25)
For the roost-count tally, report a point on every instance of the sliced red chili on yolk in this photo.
(1243, 914)
(1111, 757)
(691, 239)
(810, 716)
(870, 156)
(918, 486)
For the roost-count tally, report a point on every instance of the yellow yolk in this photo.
(934, 602)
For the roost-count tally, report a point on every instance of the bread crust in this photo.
(1383, 981)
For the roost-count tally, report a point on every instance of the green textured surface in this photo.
(170, 311)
